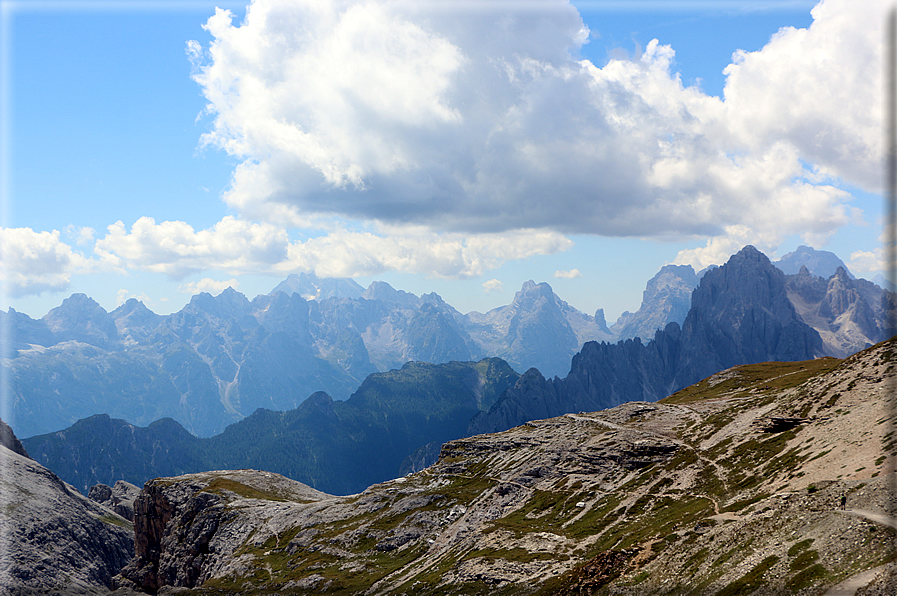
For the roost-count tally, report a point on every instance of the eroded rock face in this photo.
(850, 314)
(185, 530)
(55, 540)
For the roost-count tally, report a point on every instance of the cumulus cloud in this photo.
(572, 274)
(493, 285)
(473, 121)
(176, 249)
(35, 262)
(238, 247)
(208, 285)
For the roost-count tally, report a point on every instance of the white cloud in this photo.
(35, 262)
(572, 274)
(176, 249)
(819, 88)
(208, 285)
(81, 235)
(719, 248)
(472, 121)
(493, 285)
(237, 247)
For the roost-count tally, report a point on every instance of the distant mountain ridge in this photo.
(335, 446)
(220, 358)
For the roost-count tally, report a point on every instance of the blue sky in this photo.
(460, 148)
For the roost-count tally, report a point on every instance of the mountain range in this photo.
(220, 358)
(396, 421)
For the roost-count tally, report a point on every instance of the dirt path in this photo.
(879, 518)
(850, 585)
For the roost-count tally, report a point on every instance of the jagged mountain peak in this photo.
(81, 318)
(666, 299)
(132, 306)
(229, 303)
(530, 287)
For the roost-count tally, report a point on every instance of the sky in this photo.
(156, 149)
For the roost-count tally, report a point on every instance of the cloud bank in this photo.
(471, 121)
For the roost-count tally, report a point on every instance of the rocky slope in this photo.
(731, 486)
(53, 540)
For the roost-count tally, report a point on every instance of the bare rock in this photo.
(62, 541)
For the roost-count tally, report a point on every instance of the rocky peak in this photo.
(119, 498)
(666, 299)
(82, 319)
(9, 440)
(380, 290)
(741, 313)
(135, 321)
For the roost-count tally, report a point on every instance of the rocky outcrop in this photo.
(185, 531)
(54, 540)
(119, 498)
(697, 493)
(9, 440)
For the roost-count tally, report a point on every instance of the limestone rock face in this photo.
(186, 530)
(537, 330)
(55, 540)
(9, 440)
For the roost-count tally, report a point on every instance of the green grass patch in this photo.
(804, 560)
(806, 578)
(797, 547)
(221, 485)
(115, 520)
(760, 376)
(751, 580)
